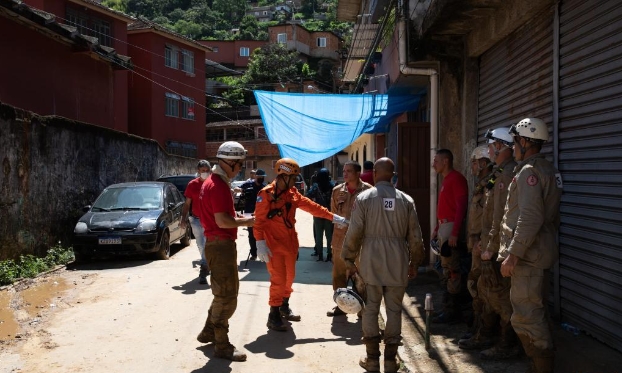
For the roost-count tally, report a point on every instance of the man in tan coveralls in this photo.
(478, 220)
(528, 245)
(342, 200)
(384, 221)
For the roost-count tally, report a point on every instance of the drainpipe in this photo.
(433, 74)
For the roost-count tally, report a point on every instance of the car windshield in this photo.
(129, 198)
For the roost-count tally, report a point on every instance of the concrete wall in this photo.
(53, 166)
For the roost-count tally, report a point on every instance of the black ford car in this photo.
(131, 218)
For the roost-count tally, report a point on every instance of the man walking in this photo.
(192, 195)
(277, 239)
(343, 197)
(250, 190)
(320, 193)
(384, 230)
(220, 225)
(528, 244)
(451, 210)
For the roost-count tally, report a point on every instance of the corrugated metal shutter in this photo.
(590, 159)
(516, 77)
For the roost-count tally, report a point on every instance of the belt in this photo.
(443, 221)
(217, 238)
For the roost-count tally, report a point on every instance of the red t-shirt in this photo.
(368, 177)
(215, 197)
(192, 191)
(452, 200)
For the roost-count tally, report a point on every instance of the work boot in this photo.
(274, 320)
(230, 353)
(391, 365)
(507, 346)
(206, 335)
(203, 273)
(320, 257)
(287, 312)
(451, 314)
(371, 361)
(543, 362)
(476, 342)
(335, 312)
(329, 256)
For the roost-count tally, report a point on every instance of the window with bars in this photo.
(187, 61)
(214, 134)
(281, 38)
(88, 25)
(321, 42)
(170, 56)
(181, 148)
(171, 105)
(241, 133)
(187, 108)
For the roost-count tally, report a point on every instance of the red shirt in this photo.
(192, 191)
(453, 200)
(215, 197)
(368, 177)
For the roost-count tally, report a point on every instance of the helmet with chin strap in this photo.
(286, 166)
(479, 153)
(533, 129)
(348, 300)
(501, 134)
(231, 150)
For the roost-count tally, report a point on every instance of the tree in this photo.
(272, 63)
(233, 10)
(249, 30)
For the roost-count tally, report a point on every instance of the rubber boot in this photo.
(274, 320)
(287, 312)
(371, 361)
(452, 313)
(483, 337)
(203, 273)
(391, 365)
(506, 348)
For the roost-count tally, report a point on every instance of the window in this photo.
(281, 38)
(79, 21)
(238, 134)
(265, 12)
(170, 56)
(187, 108)
(102, 32)
(91, 26)
(171, 105)
(214, 134)
(321, 42)
(244, 51)
(215, 49)
(181, 148)
(187, 61)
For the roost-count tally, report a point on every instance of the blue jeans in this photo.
(197, 230)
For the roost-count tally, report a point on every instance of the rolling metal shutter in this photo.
(516, 78)
(590, 159)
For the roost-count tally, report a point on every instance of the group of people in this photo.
(512, 224)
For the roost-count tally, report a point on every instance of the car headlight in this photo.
(81, 227)
(146, 226)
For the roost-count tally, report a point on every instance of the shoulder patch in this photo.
(532, 180)
(259, 199)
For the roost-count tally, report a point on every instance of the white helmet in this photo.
(231, 150)
(501, 134)
(348, 300)
(480, 152)
(533, 129)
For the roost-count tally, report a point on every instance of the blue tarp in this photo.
(311, 127)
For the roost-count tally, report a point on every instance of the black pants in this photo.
(252, 241)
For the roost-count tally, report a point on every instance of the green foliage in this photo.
(118, 5)
(250, 30)
(272, 63)
(29, 266)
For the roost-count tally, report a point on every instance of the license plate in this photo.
(110, 240)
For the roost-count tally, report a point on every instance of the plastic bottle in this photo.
(572, 329)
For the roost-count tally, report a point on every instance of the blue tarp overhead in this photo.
(311, 127)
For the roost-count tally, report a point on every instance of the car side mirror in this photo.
(86, 208)
(171, 206)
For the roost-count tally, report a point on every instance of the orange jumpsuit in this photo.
(280, 235)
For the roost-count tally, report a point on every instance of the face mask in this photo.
(260, 180)
(204, 175)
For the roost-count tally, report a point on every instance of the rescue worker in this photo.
(220, 226)
(494, 289)
(277, 240)
(451, 210)
(190, 212)
(477, 219)
(528, 244)
(343, 197)
(385, 232)
(250, 190)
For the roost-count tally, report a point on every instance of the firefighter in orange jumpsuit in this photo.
(277, 240)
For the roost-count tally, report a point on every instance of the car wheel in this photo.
(81, 258)
(165, 247)
(185, 240)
